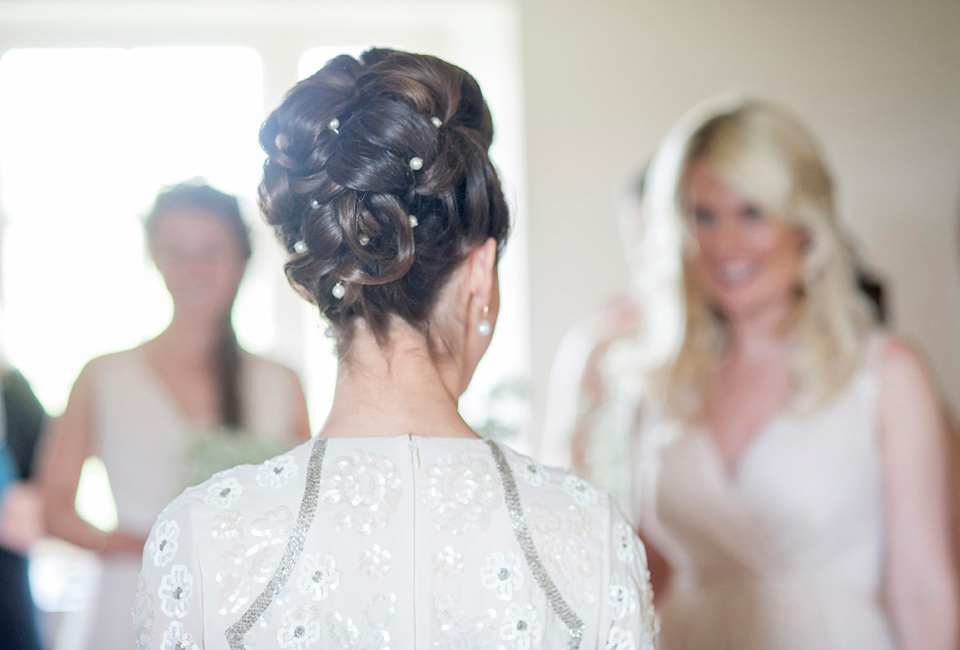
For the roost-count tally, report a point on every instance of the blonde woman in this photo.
(791, 466)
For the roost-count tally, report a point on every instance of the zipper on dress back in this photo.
(414, 468)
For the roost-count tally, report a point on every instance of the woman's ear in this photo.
(481, 266)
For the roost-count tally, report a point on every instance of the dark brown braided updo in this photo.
(352, 206)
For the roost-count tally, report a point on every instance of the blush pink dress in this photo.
(785, 552)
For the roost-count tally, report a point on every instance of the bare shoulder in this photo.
(909, 407)
(97, 366)
(266, 367)
(904, 366)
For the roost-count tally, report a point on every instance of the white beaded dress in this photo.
(394, 543)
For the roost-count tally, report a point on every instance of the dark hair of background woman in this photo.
(340, 191)
(199, 196)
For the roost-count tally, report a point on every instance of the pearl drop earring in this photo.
(484, 327)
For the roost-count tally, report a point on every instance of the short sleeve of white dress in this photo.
(627, 618)
(168, 611)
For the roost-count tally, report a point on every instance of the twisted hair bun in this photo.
(340, 184)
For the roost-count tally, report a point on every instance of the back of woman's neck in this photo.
(401, 390)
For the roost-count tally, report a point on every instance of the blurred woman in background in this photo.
(791, 461)
(160, 415)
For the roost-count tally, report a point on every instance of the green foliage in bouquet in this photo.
(214, 451)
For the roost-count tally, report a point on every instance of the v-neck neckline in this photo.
(166, 396)
(732, 474)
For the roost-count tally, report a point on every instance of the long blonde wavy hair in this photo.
(765, 154)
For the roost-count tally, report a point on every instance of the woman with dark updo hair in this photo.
(397, 526)
(172, 411)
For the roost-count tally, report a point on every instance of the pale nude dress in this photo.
(785, 552)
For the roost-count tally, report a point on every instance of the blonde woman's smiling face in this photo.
(746, 261)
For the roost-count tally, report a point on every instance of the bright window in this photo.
(87, 136)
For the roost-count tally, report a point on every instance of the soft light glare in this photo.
(88, 137)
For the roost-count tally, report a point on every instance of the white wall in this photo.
(877, 81)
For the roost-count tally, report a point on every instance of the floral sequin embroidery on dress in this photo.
(522, 626)
(277, 472)
(375, 562)
(222, 493)
(578, 521)
(564, 557)
(582, 492)
(164, 544)
(456, 632)
(299, 628)
(318, 576)
(362, 489)
(371, 632)
(532, 473)
(619, 639)
(447, 563)
(622, 598)
(228, 525)
(243, 564)
(176, 637)
(175, 590)
(273, 526)
(570, 565)
(462, 491)
(235, 589)
(502, 572)
(541, 519)
(624, 543)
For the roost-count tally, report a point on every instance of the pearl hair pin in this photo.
(334, 125)
(413, 221)
(364, 240)
(300, 247)
(416, 163)
(338, 291)
(436, 121)
(314, 204)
